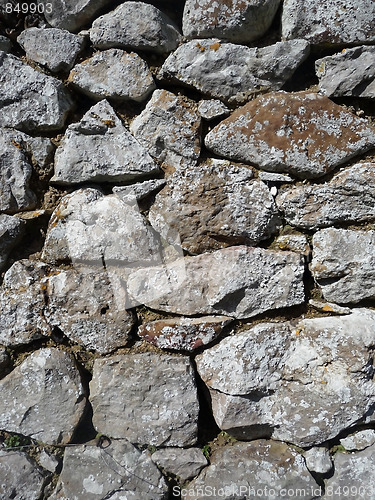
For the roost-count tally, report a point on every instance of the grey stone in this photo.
(183, 463)
(302, 133)
(139, 190)
(301, 382)
(5, 44)
(348, 197)
(99, 148)
(137, 26)
(329, 307)
(342, 264)
(43, 397)
(183, 333)
(30, 100)
(41, 149)
(233, 72)
(244, 470)
(348, 73)
(146, 398)
(115, 471)
(4, 359)
(11, 231)
(72, 15)
(210, 109)
(169, 128)
(54, 48)
(294, 243)
(273, 177)
(359, 441)
(20, 477)
(113, 74)
(48, 461)
(336, 22)
(239, 21)
(238, 281)
(318, 460)
(215, 205)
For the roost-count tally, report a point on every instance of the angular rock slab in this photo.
(243, 469)
(302, 133)
(145, 398)
(72, 15)
(303, 382)
(318, 460)
(56, 49)
(238, 281)
(213, 206)
(210, 109)
(184, 334)
(11, 230)
(169, 128)
(117, 470)
(184, 463)
(239, 21)
(348, 197)
(359, 441)
(233, 72)
(125, 28)
(113, 74)
(30, 100)
(348, 73)
(100, 149)
(43, 397)
(138, 191)
(343, 264)
(339, 21)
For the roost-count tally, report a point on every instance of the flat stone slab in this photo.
(342, 264)
(302, 133)
(72, 15)
(210, 109)
(233, 72)
(11, 231)
(183, 463)
(113, 74)
(146, 398)
(359, 441)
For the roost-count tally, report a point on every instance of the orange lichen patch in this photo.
(17, 144)
(200, 47)
(327, 308)
(109, 123)
(215, 46)
(298, 331)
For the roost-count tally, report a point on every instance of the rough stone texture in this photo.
(238, 281)
(210, 109)
(294, 243)
(113, 74)
(348, 197)
(359, 441)
(240, 21)
(303, 383)
(233, 72)
(146, 398)
(73, 14)
(30, 100)
(169, 128)
(318, 460)
(20, 477)
(43, 397)
(115, 471)
(259, 465)
(354, 475)
(184, 334)
(41, 149)
(88, 226)
(99, 148)
(342, 264)
(11, 230)
(330, 307)
(48, 461)
(348, 73)
(274, 178)
(56, 49)
(4, 359)
(339, 21)
(302, 133)
(139, 190)
(183, 463)
(5, 44)
(136, 26)
(215, 205)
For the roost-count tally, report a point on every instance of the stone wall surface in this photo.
(187, 249)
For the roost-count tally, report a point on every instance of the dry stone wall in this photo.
(187, 229)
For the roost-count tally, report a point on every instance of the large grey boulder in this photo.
(237, 21)
(335, 22)
(113, 74)
(183, 463)
(258, 469)
(233, 72)
(213, 206)
(125, 28)
(302, 382)
(169, 128)
(11, 231)
(348, 197)
(342, 264)
(146, 398)
(43, 397)
(99, 148)
(54, 48)
(238, 281)
(116, 470)
(302, 133)
(348, 73)
(72, 15)
(30, 100)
